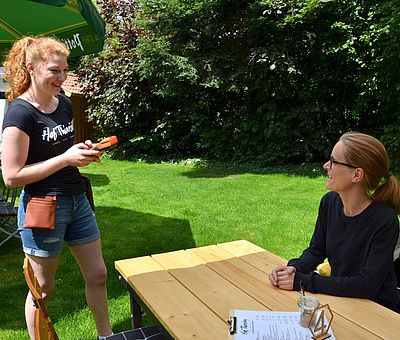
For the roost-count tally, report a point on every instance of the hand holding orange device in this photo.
(106, 144)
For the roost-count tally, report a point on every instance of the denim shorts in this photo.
(75, 223)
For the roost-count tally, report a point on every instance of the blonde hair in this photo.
(368, 153)
(33, 49)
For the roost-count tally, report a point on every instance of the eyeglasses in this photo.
(333, 161)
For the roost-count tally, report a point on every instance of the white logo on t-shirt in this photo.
(57, 131)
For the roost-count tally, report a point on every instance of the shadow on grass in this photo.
(145, 234)
(212, 170)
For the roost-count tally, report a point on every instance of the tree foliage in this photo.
(251, 80)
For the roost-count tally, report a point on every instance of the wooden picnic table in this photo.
(189, 293)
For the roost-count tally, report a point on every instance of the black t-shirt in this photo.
(51, 134)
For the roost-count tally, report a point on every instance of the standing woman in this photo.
(38, 153)
(357, 228)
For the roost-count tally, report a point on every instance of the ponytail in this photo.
(16, 74)
(389, 192)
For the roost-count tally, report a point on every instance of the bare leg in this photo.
(94, 271)
(45, 272)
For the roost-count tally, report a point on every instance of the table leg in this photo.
(136, 313)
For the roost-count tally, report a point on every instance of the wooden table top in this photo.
(191, 292)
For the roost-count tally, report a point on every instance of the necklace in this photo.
(48, 107)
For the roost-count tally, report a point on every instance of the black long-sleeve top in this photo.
(359, 250)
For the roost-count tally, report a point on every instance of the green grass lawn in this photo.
(146, 208)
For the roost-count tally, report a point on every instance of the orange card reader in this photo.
(106, 144)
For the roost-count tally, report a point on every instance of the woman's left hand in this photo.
(90, 145)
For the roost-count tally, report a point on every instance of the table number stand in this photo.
(318, 327)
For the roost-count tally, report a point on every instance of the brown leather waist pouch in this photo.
(41, 212)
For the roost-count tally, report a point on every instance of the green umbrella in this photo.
(76, 22)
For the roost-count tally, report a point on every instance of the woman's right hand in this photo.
(81, 155)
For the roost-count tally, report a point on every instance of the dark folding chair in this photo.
(8, 215)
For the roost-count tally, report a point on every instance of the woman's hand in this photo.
(81, 154)
(283, 277)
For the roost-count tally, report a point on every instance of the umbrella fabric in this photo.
(76, 22)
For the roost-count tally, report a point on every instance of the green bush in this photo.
(261, 81)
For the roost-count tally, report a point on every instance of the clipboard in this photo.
(257, 324)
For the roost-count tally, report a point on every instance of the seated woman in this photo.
(357, 228)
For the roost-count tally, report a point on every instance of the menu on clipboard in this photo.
(267, 325)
